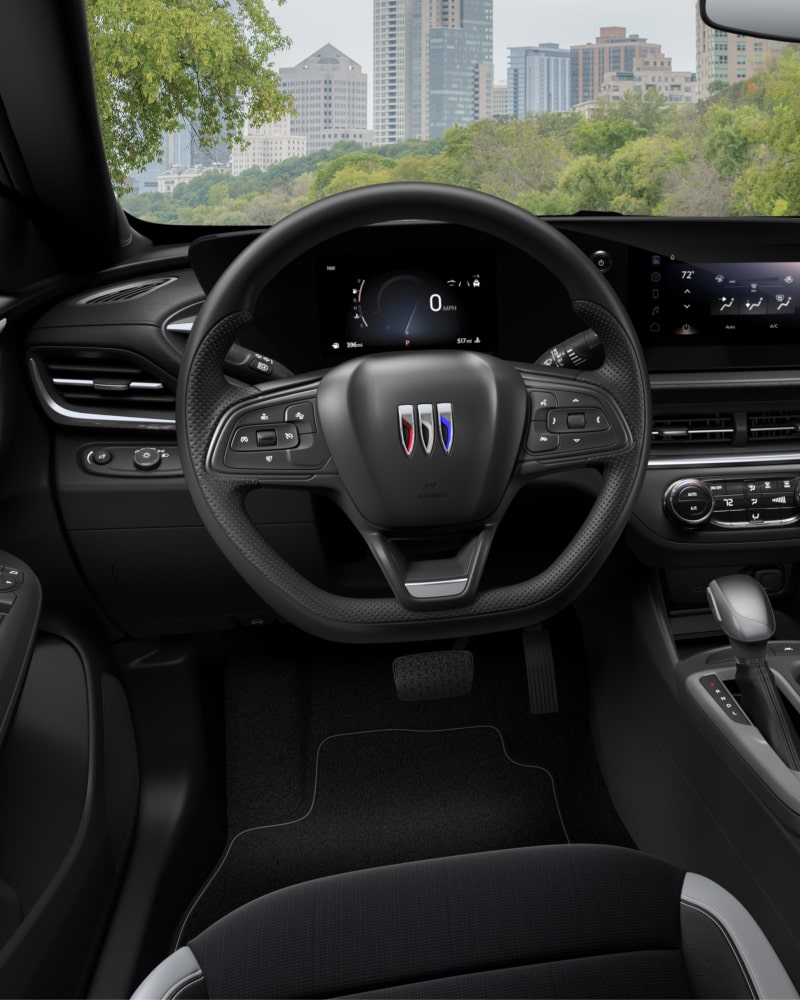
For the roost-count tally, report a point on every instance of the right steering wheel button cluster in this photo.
(568, 423)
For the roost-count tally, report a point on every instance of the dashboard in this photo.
(714, 303)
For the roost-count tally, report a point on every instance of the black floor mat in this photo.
(388, 796)
(393, 796)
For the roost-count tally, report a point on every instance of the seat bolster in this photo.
(178, 977)
(725, 951)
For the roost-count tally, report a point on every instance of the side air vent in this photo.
(126, 292)
(773, 425)
(696, 429)
(102, 388)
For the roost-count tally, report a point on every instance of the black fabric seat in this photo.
(564, 921)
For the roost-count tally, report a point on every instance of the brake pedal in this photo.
(541, 670)
(434, 676)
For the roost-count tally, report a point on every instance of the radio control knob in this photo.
(689, 503)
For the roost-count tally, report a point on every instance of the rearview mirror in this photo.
(762, 18)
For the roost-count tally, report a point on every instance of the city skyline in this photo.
(516, 22)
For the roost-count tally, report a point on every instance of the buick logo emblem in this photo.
(422, 421)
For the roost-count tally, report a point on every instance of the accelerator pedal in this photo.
(433, 676)
(541, 670)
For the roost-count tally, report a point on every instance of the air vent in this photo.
(124, 293)
(773, 425)
(695, 429)
(102, 388)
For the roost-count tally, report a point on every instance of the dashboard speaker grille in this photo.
(123, 293)
(693, 429)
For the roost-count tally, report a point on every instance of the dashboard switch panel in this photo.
(152, 461)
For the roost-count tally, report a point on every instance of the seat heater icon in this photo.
(422, 420)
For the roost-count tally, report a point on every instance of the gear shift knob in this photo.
(743, 610)
(744, 613)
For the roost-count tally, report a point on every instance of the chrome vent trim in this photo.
(119, 392)
(693, 429)
(126, 292)
(773, 425)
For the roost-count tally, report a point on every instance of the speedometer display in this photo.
(370, 306)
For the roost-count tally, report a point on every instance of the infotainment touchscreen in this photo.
(400, 302)
(710, 314)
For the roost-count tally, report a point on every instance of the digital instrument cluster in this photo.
(434, 299)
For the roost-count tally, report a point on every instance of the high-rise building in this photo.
(613, 51)
(397, 57)
(724, 59)
(433, 66)
(539, 80)
(330, 99)
(457, 39)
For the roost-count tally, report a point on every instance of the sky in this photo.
(347, 24)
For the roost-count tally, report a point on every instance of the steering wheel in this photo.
(418, 447)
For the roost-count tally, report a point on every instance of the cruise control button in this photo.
(540, 440)
(265, 415)
(302, 416)
(245, 439)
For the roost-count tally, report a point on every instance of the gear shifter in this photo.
(743, 611)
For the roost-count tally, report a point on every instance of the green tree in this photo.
(161, 64)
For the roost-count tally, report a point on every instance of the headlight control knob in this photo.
(689, 503)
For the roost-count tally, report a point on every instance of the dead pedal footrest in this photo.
(433, 676)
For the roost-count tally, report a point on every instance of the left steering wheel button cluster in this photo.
(278, 438)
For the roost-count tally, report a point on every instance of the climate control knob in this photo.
(689, 502)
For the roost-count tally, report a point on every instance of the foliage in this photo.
(735, 153)
(163, 64)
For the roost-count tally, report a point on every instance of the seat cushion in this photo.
(566, 921)
(544, 921)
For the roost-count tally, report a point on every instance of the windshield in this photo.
(239, 112)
